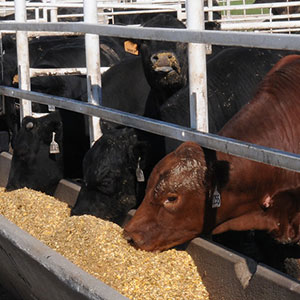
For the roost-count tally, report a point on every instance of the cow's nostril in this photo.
(154, 58)
(126, 236)
(136, 242)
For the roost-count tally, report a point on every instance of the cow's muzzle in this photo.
(136, 243)
(165, 62)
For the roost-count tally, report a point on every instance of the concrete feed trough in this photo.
(31, 270)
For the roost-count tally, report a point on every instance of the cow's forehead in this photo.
(184, 174)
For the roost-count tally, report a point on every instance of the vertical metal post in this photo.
(228, 11)
(197, 69)
(210, 13)
(244, 11)
(23, 57)
(93, 68)
(53, 12)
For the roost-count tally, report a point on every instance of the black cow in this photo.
(122, 155)
(61, 52)
(164, 63)
(150, 79)
(125, 86)
(281, 10)
(166, 58)
(232, 77)
(33, 165)
(70, 52)
(141, 18)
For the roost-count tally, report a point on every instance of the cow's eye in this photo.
(171, 201)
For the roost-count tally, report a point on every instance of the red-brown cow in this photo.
(195, 190)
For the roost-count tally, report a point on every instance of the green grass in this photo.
(248, 11)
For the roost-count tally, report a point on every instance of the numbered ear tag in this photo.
(139, 172)
(216, 199)
(131, 47)
(54, 147)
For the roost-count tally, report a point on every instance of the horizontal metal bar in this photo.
(159, 6)
(135, 12)
(260, 25)
(268, 18)
(254, 152)
(252, 6)
(243, 39)
(35, 72)
(99, 5)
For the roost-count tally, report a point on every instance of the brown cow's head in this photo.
(179, 197)
(173, 209)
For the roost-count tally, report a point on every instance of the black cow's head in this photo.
(165, 63)
(111, 185)
(33, 165)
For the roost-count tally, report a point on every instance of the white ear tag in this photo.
(216, 199)
(139, 172)
(54, 147)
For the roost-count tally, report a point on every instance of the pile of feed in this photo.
(97, 246)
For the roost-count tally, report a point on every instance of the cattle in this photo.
(281, 10)
(194, 190)
(164, 64)
(163, 70)
(159, 70)
(243, 68)
(109, 191)
(232, 77)
(125, 86)
(141, 18)
(61, 52)
(111, 52)
(50, 52)
(36, 164)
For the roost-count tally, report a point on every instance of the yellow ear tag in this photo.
(131, 47)
(16, 79)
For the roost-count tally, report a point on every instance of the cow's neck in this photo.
(250, 188)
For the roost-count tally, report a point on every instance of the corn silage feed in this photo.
(97, 246)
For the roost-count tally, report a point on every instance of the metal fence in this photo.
(274, 157)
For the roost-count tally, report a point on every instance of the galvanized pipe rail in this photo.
(36, 72)
(23, 58)
(92, 55)
(197, 69)
(243, 39)
(274, 157)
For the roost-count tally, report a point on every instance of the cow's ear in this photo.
(52, 122)
(220, 173)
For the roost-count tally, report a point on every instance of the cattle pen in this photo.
(228, 274)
